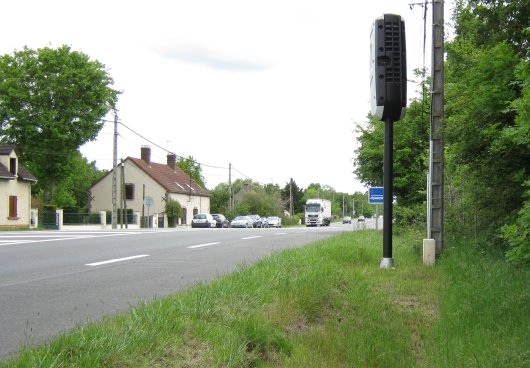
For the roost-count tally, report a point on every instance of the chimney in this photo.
(146, 154)
(172, 161)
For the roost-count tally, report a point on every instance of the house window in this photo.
(13, 213)
(129, 191)
(13, 165)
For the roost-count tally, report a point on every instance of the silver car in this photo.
(241, 221)
(274, 221)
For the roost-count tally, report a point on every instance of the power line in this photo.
(182, 157)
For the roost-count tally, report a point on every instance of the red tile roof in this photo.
(174, 181)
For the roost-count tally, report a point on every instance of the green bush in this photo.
(173, 212)
(518, 235)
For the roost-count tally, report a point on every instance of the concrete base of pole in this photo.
(387, 263)
(429, 252)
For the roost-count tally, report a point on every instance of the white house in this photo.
(15, 190)
(139, 179)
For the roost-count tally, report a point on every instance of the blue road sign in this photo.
(375, 195)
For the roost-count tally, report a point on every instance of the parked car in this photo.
(221, 220)
(264, 222)
(360, 219)
(256, 221)
(274, 221)
(241, 221)
(346, 220)
(203, 220)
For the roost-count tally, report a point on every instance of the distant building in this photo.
(15, 189)
(142, 178)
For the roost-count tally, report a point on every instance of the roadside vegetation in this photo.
(325, 305)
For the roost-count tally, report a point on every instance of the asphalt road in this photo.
(51, 281)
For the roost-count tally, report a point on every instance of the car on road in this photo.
(346, 220)
(221, 220)
(264, 222)
(360, 219)
(256, 221)
(274, 221)
(241, 221)
(203, 220)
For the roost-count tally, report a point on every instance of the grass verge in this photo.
(325, 305)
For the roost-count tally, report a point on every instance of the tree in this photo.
(219, 199)
(52, 102)
(191, 167)
(488, 127)
(291, 189)
(411, 145)
(73, 190)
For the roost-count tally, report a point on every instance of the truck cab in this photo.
(317, 212)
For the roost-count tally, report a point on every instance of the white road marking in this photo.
(251, 237)
(38, 237)
(202, 245)
(280, 234)
(116, 260)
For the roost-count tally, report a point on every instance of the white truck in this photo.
(317, 212)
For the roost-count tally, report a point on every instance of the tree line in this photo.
(273, 200)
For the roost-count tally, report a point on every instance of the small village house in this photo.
(15, 189)
(140, 178)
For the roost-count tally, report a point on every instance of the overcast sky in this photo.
(273, 87)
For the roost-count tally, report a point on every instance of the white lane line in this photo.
(202, 245)
(27, 241)
(280, 234)
(251, 237)
(116, 260)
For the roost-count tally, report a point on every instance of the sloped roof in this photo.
(6, 149)
(23, 173)
(174, 181)
(5, 173)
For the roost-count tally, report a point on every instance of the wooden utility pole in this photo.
(435, 215)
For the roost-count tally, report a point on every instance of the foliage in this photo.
(487, 126)
(220, 198)
(173, 212)
(518, 234)
(411, 137)
(74, 189)
(191, 167)
(258, 202)
(52, 102)
(297, 194)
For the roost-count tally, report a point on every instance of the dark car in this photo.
(256, 221)
(221, 220)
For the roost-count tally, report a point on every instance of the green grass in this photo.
(325, 305)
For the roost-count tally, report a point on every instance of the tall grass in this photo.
(325, 305)
(485, 312)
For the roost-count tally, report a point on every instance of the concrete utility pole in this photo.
(230, 202)
(115, 173)
(291, 197)
(435, 214)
